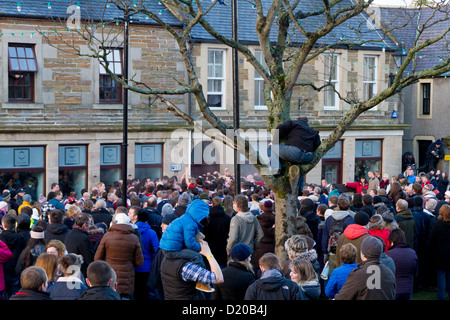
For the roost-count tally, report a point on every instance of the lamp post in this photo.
(125, 109)
(237, 168)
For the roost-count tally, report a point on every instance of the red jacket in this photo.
(358, 186)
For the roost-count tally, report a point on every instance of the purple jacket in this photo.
(406, 266)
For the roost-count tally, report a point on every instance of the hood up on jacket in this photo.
(198, 210)
(354, 231)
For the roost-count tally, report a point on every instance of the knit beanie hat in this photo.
(371, 248)
(387, 216)
(166, 209)
(361, 218)
(376, 199)
(375, 221)
(184, 199)
(168, 218)
(240, 252)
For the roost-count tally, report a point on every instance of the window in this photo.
(148, 161)
(22, 68)
(216, 79)
(72, 169)
(260, 103)
(426, 98)
(332, 164)
(110, 89)
(23, 167)
(331, 77)
(367, 157)
(110, 163)
(370, 77)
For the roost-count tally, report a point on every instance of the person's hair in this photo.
(89, 205)
(397, 236)
(241, 202)
(73, 211)
(81, 219)
(216, 201)
(152, 202)
(122, 209)
(303, 119)
(269, 261)
(70, 264)
(348, 253)
(402, 204)
(322, 208)
(343, 203)
(49, 263)
(56, 216)
(32, 278)
(27, 210)
(136, 210)
(9, 221)
(417, 187)
(99, 273)
(304, 269)
(444, 213)
(59, 245)
(99, 204)
(295, 245)
(333, 199)
(367, 199)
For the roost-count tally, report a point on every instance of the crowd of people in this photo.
(196, 238)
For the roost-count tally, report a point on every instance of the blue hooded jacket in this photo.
(149, 239)
(181, 232)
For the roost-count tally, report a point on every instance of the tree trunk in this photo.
(286, 200)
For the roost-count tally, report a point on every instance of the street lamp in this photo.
(237, 168)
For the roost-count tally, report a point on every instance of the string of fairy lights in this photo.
(48, 6)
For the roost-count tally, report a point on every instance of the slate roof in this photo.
(89, 9)
(408, 20)
(350, 31)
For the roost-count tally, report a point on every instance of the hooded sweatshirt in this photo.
(273, 286)
(244, 228)
(181, 232)
(353, 234)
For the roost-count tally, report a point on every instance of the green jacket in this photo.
(407, 224)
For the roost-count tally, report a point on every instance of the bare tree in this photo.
(288, 41)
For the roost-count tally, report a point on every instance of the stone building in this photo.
(62, 116)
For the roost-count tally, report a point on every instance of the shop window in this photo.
(367, 157)
(72, 169)
(148, 161)
(110, 164)
(23, 168)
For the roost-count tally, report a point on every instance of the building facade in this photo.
(62, 115)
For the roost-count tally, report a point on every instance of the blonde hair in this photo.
(304, 269)
(58, 245)
(49, 263)
(295, 246)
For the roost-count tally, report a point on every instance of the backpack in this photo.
(337, 228)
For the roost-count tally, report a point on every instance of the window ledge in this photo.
(109, 106)
(21, 105)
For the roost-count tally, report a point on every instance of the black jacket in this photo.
(78, 242)
(439, 245)
(236, 281)
(57, 231)
(216, 233)
(102, 215)
(30, 295)
(274, 288)
(99, 293)
(299, 134)
(16, 244)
